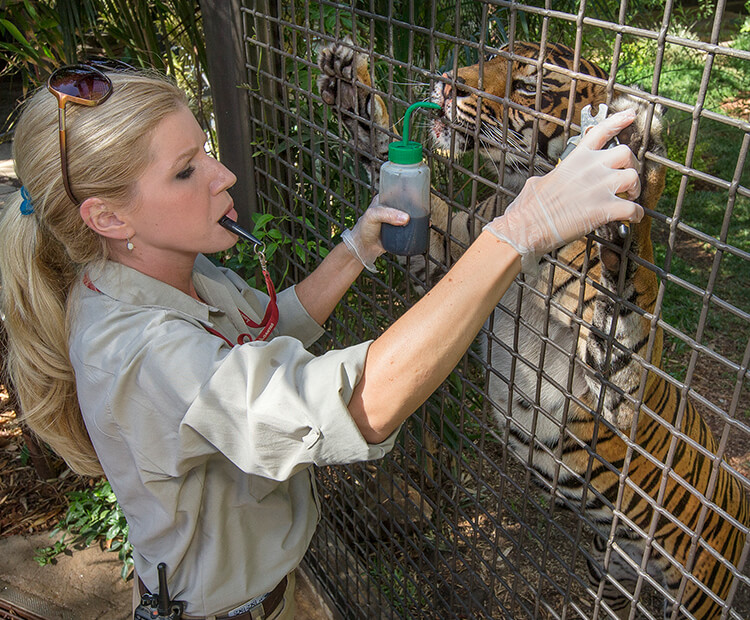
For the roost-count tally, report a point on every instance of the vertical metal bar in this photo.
(222, 26)
(265, 65)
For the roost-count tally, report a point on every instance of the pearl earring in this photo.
(130, 245)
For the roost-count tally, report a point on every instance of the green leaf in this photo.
(261, 220)
(16, 34)
(113, 532)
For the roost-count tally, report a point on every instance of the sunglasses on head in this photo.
(84, 84)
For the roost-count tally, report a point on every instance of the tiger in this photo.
(590, 302)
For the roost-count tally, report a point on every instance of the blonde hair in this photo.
(43, 254)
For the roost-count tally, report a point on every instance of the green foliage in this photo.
(92, 515)
(397, 587)
(683, 67)
(38, 36)
(31, 39)
(244, 259)
(711, 148)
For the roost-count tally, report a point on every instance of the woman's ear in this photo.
(100, 218)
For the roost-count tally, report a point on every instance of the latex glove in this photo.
(364, 239)
(578, 196)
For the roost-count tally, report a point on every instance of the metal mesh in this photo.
(454, 524)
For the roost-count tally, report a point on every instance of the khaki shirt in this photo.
(209, 447)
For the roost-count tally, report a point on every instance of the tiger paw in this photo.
(341, 68)
(344, 84)
(621, 416)
(612, 250)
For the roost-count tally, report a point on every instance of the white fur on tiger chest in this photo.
(532, 353)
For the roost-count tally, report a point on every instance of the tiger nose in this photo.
(448, 86)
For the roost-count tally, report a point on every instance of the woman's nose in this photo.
(225, 178)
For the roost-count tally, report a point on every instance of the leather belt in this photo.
(269, 604)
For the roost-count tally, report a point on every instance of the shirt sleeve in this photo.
(291, 412)
(181, 395)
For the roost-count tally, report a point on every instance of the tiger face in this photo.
(475, 101)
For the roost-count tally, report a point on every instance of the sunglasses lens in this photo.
(81, 82)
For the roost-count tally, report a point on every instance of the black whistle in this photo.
(234, 227)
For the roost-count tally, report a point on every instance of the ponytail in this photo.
(36, 276)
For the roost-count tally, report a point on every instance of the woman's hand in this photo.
(364, 239)
(578, 196)
(323, 288)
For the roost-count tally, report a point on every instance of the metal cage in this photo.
(453, 523)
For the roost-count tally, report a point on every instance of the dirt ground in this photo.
(710, 379)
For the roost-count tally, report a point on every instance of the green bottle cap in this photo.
(407, 151)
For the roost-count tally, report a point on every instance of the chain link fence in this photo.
(522, 489)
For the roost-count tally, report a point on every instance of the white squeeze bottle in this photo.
(405, 185)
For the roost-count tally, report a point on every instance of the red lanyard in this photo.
(271, 317)
(268, 322)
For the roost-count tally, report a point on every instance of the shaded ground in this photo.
(27, 504)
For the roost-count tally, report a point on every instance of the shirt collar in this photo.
(130, 286)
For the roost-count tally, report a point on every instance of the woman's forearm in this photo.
(410, 360)
(323, 288)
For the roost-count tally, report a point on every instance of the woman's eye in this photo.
(186, 173)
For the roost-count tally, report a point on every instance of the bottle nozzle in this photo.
(407, 151)
(418, 104)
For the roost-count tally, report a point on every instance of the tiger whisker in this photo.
(490, 159)
(411, 83)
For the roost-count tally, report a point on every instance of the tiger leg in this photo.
(618, 570)
(632, 282)
(618, 329)
(345, 85)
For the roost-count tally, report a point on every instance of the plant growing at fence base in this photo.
(93, 515)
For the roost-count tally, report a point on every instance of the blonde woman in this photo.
(136, 357)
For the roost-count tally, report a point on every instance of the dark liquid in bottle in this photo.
(406, 240)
